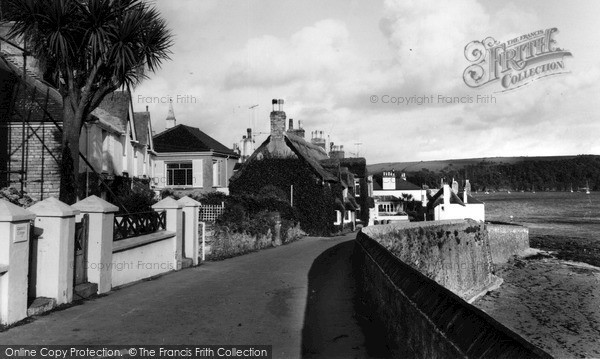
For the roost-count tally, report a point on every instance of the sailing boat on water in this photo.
(587, 187)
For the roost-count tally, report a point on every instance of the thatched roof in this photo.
(311, 154)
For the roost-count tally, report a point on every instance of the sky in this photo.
(349, 67)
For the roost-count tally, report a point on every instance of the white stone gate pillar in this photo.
(14, 261)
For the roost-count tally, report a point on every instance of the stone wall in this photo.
(506, 240)
(42, 153)
(421, 316)
(454, 253)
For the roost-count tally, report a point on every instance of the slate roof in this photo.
(114, 110)
(182, 138)
(438, 199)
(141, 121)
(401, 185)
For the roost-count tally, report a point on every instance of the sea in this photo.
(556, 214)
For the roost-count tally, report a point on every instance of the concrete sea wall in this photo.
(454, 253)
(506, 240)
(420, 314)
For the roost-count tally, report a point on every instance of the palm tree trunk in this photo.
(69, 184)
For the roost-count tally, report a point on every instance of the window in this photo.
(179, 174)
(217, 165)
(357, 188)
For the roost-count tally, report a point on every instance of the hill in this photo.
(457, 164)
(552, 173)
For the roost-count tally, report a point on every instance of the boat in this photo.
(587, 187)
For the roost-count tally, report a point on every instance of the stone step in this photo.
(186, 263)
(41, 305)
(84, 290)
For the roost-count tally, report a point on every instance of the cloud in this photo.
(313, 53)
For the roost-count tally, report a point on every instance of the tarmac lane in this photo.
(299, 298)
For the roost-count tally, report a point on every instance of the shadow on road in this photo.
(332, 326)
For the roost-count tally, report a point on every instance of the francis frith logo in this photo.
(516, 62)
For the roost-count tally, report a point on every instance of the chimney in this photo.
(291, 125)
(446, 194)
(170, 121)
(454, 186)
(318, 140)
(467, 191)
(336, 151)
(277, 121)
(249, 131)
(300, 131)
(389, 180)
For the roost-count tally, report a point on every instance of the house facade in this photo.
(320, 188)
(391, 194)
(31, 113)
(448, 203)
(117, 142)
(188, 160)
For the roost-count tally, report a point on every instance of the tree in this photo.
(87, 50)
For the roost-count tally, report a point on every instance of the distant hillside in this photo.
(556, 173)
(439, 165)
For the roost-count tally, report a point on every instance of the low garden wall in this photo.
(418, 313)
(143, 257)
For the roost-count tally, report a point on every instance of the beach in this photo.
(552, 299)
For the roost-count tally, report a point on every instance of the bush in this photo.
(210, 198)
(14, 196)
(167, 192)
(313, 200)
(136, 201)
(228, 243)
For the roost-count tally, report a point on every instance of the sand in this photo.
(552, 302)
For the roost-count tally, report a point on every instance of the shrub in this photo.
(313, 200)
(140, 200)
(227, 243)
(15, 196)
(210, 198)
(167, 192)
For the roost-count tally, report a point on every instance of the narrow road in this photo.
(259, 298)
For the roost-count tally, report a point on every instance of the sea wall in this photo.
(420, 315)
(506, 240)
(454, 253)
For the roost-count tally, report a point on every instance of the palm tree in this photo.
(87, 50)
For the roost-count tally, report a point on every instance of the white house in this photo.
(188, 160)
(390, 193)
(116, 141)
(447, 204)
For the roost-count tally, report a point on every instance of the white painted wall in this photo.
(143, 262)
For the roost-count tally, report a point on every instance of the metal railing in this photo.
(137, 224)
